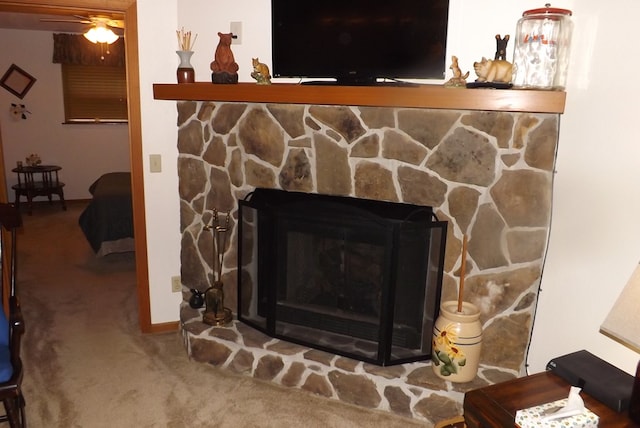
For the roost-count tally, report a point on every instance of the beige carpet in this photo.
(87, 365)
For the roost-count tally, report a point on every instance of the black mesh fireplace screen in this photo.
(354, 277)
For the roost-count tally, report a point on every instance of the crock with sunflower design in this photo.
(457, 339)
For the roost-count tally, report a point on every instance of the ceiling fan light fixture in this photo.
(101, 34)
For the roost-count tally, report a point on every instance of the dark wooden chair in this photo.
(11, 329)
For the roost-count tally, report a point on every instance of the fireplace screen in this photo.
(354, 277)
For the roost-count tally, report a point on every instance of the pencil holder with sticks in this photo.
(185, 72)
(457, 336)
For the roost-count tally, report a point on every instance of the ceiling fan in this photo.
(100, 31)
(94, 20)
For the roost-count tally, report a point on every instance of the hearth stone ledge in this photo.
(409, 390)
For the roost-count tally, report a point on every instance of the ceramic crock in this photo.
(457, 341)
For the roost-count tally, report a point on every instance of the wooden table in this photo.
(496, 405)
(41, 180)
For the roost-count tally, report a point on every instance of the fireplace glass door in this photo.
(349, 276)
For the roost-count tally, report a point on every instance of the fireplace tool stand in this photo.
(215, 312)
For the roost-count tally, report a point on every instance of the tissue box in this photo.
(532, 417)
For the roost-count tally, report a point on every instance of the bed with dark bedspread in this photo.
(107, 222)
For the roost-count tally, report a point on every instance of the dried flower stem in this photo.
(185, 42)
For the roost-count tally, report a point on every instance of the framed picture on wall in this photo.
(17, 81)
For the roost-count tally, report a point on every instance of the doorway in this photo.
(74, 7)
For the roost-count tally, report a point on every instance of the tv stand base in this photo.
(392, 83)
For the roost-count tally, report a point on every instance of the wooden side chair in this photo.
(11, 328)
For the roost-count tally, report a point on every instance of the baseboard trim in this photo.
(167, 327)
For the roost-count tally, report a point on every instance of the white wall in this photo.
(596, 218)
(157, 23)
(596, 221)
(83, 151)
(255, 16)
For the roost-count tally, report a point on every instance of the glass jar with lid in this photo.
(541, 52)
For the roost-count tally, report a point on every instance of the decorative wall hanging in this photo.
(17, 81)
(19, 111)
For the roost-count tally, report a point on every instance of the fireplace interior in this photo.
(355, 277)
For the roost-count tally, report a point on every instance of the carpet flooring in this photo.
(88, 365)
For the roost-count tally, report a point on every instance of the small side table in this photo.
(496, 405)
(41, 180)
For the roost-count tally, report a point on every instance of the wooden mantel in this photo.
(422, 96)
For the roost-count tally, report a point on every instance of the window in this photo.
(94, 93)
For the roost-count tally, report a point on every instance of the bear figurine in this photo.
(224, 68)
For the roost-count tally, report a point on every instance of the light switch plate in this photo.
(235, 28)
(155, 163)
(176, 284)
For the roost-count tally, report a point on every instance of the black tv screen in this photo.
(359, 41)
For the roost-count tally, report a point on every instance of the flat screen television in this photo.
(359, 42)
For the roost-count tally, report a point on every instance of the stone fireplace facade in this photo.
(488, 173)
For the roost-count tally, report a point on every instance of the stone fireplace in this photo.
(488, 173)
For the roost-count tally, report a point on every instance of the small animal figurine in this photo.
(498, 71)
(501, 47)
(458, 80)
(260, 72)
(224, 67)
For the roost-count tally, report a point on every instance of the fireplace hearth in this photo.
(356, 277)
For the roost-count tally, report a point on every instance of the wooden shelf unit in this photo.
(422, 96)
